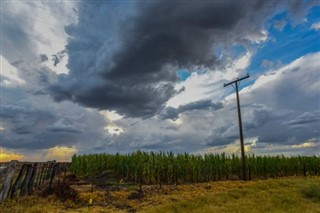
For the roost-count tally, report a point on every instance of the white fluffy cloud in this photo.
(315, 26)
(209, 85)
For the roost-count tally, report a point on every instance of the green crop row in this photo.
(168, 168)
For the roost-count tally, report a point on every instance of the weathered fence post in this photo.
(38, 176)
(15, 187)
(7, 181)
(25, 183)
(42, 175)
(48, 171)
(32, 178)
(53, 173)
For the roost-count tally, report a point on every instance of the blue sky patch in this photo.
(286, 44)
(183, 75)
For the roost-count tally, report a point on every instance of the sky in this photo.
(81, 77)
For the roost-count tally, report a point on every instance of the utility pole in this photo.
(243, 155)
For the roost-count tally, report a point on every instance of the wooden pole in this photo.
(243, 155)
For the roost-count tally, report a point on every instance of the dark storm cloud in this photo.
(30, 126)
(222, 135)
(173, 113)
(257, 116)
(305, 118)
(22, 130)
(14, 36)
(135, 72)
(178, 33)
(64, 128)
(13, 111)
(43, 58)
(21, 122)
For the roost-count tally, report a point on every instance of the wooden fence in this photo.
(21, 178)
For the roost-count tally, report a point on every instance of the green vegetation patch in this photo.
(311, 191)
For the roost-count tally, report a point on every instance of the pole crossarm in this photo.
(243, 155)
(238, 79)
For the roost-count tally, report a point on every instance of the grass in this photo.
(312, 191)
(278, 195)
(296, 195)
